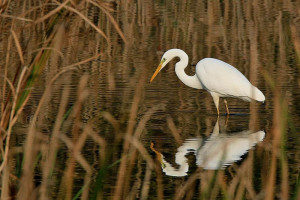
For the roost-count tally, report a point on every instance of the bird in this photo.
(219, 150)
(219, 78)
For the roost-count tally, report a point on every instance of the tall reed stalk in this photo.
(78, 115)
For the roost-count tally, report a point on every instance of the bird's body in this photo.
(216, 151)
(220, 79)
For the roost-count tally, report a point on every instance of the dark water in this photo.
(251, 37)
(193, 148)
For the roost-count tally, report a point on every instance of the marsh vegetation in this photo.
(78, 114)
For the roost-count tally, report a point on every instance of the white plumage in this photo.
(217, 151)
(220, 79)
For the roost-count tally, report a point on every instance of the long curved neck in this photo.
(191, 81)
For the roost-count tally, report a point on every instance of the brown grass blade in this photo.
(53, 12)
(47, 48)
(84, 61)
(12, 120)
(146, 183)
(19, 48)
(144, 153)
(130, 127)
(54, 142)
(110, 17)
(18, 18)
(85, 19)
(174, 130)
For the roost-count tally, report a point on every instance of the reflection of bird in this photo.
(217, 77)
(218, 151)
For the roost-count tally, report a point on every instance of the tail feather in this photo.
(257, 95)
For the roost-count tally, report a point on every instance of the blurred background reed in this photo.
(78, 113)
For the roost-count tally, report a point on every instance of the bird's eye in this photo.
(164, 59)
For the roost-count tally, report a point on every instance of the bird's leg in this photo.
(216, 130)
(227, 110)
(216, 98)
(226, 121)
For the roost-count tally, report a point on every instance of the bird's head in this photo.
(164, 61)
(166, 58)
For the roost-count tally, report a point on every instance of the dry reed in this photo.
(75, 67)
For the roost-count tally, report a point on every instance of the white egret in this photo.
(220, 79)
(215, 152)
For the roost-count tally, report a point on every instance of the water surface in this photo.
(128, 113)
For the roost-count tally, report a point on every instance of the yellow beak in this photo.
(158, 155)
(157, 70)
